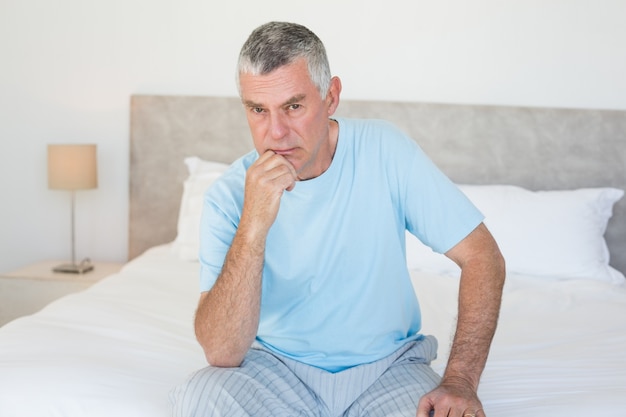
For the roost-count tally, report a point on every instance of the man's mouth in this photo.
(283, 151)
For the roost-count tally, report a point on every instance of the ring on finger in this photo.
(474, 414)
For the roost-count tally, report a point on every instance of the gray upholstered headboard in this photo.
(537, 148)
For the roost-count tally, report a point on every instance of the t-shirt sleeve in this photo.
(437, 211)
(220, 217)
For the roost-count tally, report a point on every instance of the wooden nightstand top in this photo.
(43, 271)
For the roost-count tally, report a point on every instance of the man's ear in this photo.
(334, 92)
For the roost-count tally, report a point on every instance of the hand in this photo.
(452, 398)
(266, 180)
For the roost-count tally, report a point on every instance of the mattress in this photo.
(118, 348)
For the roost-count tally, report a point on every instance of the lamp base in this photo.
(81, 268)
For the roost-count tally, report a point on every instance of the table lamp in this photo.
(72, 167)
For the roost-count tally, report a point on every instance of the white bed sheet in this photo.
(118, 348)
(560, 347)
(114, 350)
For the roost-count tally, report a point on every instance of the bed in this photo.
(549, 181)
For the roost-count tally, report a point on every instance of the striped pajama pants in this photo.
(270, 385)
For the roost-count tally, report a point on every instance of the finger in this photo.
(283, 177)
(288, 164)
(425, 408)
(270, 160)
(270, 166)
(279, 168)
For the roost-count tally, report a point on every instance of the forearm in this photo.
(227, 318)
(479, 305)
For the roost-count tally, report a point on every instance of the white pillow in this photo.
(545, 233)
(201, 175)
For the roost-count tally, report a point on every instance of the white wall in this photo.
(68, 68)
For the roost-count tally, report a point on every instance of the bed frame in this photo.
(536, 148)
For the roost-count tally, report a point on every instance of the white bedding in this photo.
(119, 347)
(560, 347)
(113, 350)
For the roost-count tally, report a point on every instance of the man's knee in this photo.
(262, 386)
(203, 394)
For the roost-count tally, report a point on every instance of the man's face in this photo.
(287, 116)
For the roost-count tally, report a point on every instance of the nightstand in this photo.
(27, 290)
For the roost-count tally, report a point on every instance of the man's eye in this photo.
(294, 106)
(257, 110)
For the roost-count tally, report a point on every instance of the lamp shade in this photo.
(72, 167)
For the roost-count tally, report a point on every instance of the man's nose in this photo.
(279, 125)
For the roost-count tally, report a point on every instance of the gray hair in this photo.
(276, 44)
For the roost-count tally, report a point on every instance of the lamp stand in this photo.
(74, 268)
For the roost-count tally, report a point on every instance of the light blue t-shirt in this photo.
(336, 290)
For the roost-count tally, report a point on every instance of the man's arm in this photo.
(227, 317)
(480, 293)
